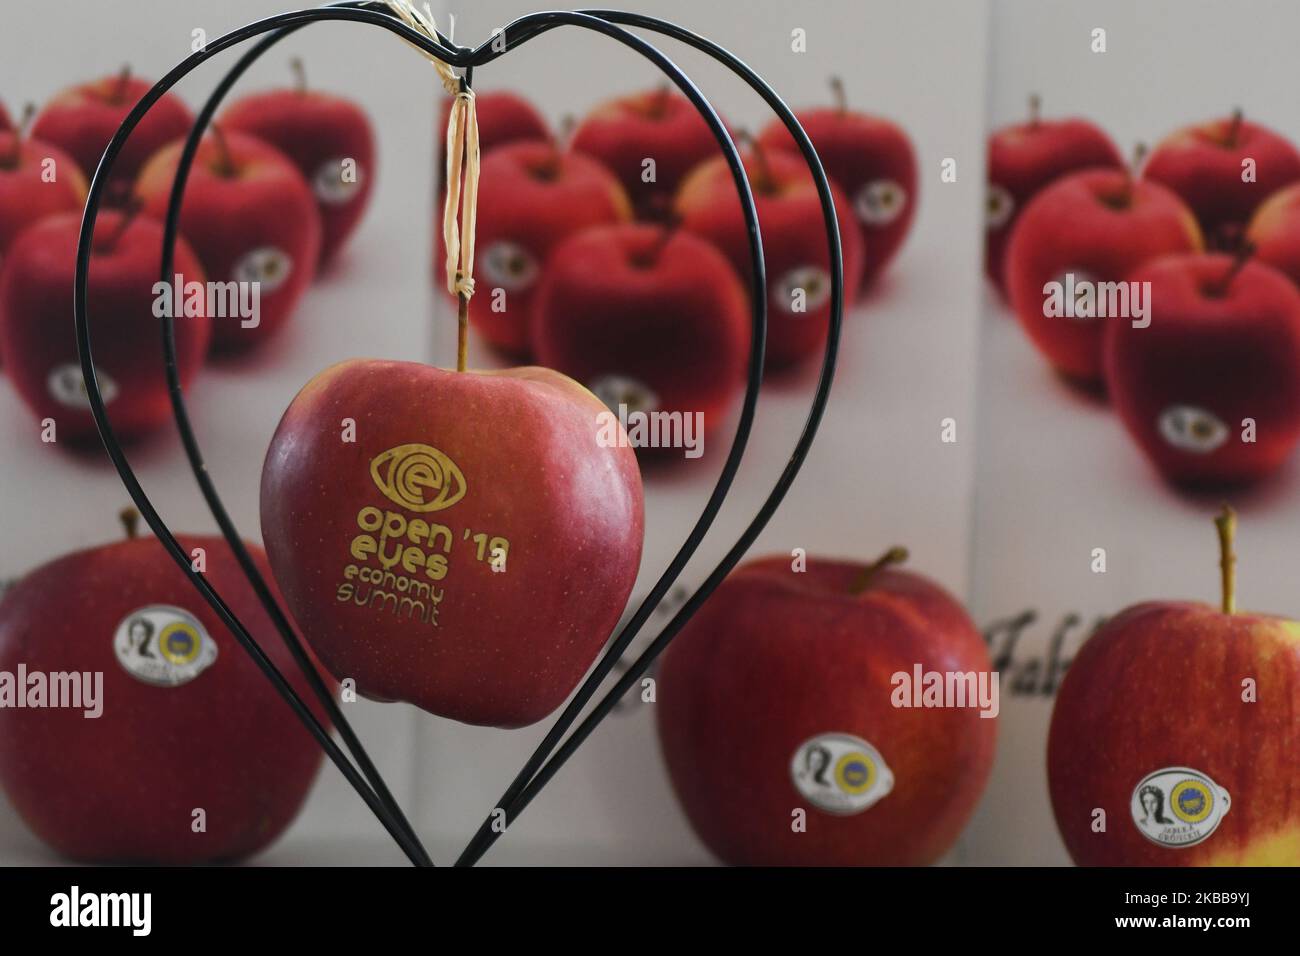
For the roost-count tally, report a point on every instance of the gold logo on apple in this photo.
(418, 477)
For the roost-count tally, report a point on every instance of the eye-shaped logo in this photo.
(813, 280)
(268, 266)
(880, 202)
(418, 478)
(68, 387)
(508, 265)
(616, 390)
(334, 188)
(1193, 429)
(998, 207)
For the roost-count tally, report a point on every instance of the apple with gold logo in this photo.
(463, 541)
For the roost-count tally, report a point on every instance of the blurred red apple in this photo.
(503, 117)
(531, 198)
(474, 546)
(657, 125)
(82, 120)
(39, 343)
(251, 218)
(1087, 228)
(328, 138)
(794, 243)
(783, 694)
(1205, 165)
(6, 123)
(36, 180)
(872, 160)
(646, 317)
(1223, 347)
(1160, 755)
(1025, 157)
(193, 757)
(1274, 232)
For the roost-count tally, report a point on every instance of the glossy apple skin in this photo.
(503, 117)
(1160, 685)
(1076, 225)
(24, 197)
(265, 204)
(531, 198)
(775, 657)
(1234, 355)
(863, 154)
(507, 646)
(317, 131)
(673, 317)
(36, 323)
(82, 120)
(657, 124)
(121, 788)
(794, 241)
(1022, 159)
(1274, 231)
(1202, 164)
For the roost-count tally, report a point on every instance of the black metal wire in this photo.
(535, 774)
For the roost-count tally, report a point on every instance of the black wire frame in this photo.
(537, 771)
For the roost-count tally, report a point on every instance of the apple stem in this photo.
(1035, 109)
(20, 134)
(462, 331)
(225, 165)
(123, 78)
(129, 211)
(1131, 170)
(895, 555)
(763, 180)
(130, 519)
(1244, 251)
(1234, 128)
(650, 257)
(1226, 522)
(841, 99)
(660, 105)
(299, 75)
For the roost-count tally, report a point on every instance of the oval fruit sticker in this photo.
(840, 773)
(1178, 807)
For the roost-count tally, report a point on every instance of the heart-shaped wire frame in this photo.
(538, 770)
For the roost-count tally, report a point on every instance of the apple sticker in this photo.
(1193, 429)
(998, 207)
(332, 187)
(509, 266)
(814, 281)
(1178, 807)
(68, 388)
(268, 266)
(163, 645)
(880, 202)
(624, 391)
(840, 773)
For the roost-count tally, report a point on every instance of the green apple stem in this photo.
(1226, 523)
(15, 154)
(841, 99)
(130, 519)
(1234, 127)
(895, 555)
(123, 78)
(299, 75)
(1035, 110)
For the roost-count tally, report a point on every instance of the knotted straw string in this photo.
(462, 166)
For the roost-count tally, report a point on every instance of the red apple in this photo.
(1025, 157)
(503, 117)
(1203, 164)
(251, 218)
(652, 319)
(531, 198)
(1093, 226)
(82, 120)
(1160, 753)
(36, 180)
(470, 550)
(783, 695)
(657, 125)
(872, 160)
(1274, 232)
(193, 757)
(794, 243)
(6, 123)
(38, 340)
(1222, 348)
(328, 138)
